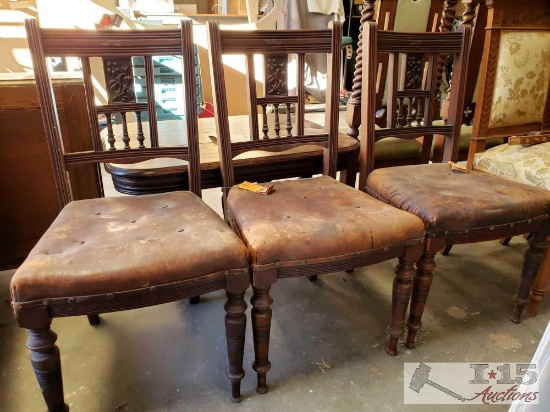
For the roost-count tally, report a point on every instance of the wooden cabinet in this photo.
(28, 200)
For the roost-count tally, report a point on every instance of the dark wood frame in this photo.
(36, 316)
(264, 276)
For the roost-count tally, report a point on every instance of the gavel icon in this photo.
(420, 378)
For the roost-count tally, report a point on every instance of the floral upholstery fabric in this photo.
(523, 75)
(523, 164)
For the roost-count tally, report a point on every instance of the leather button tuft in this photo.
(46, 301)
(80, 242)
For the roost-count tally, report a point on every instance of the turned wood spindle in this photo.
(125, 136)
(419, 109)
(410, 115)
(288, 121)
(110, 133)
(446, 25)
(277, 127)
(265, 128)
(354, 104)
(140, 137)
(469, 14)
(400, 117)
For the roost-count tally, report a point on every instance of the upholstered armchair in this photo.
(513, 99)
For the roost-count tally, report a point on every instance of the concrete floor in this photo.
(173, 357)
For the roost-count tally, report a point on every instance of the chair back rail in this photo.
(275, 47)
(85, 44)
(410, 112)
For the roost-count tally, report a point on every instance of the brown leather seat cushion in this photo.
(449, 200)
(117, 244)
(316, 218)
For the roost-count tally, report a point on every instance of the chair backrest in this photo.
(395, 15)
(410, 112)
(513, 96)
(86, 44)
(275, 46)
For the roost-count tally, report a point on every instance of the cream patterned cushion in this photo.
(523, 164)
(523, 74)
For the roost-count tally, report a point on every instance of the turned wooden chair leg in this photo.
(421, 288)
(235, 328)
(541, 281)
(312, 278)
(402, 288)
(94, 320)
(47, 367)
(195, 300)
(447, 250)
(261, 329)
(531, 264)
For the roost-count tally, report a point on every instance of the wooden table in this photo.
(164, 175)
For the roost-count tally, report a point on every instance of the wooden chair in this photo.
(456, 207)
(310, 226)
(392, 152)
(111, 254)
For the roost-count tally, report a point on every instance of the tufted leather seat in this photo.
(314, 219)
(448, 200)
(109, 245)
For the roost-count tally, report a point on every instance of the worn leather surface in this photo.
(451, 200)
(316, 218)
(117, 244)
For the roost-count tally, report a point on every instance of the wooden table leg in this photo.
(541, 281)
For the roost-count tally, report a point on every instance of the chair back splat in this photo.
(410, 112)
(275, 46)
(85, 45)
